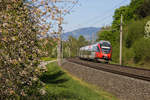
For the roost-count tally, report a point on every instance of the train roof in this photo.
(102, 41)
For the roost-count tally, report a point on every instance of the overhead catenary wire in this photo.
(98, 19)
(107, 15)
(71, 8)
(103, 18)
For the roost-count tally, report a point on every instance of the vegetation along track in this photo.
(138, 73)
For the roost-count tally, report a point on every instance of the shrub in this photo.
(18, 50)
(141, 49)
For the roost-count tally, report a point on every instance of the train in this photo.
(99, 51)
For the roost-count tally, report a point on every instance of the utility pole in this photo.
(68, 48)
(62, 46)
(62, 51)
(93, 38)
(69, 53)
(60, 16)
(59, 40)
(59, 50)
(121, 39)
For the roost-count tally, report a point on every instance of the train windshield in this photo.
(105, 44)
(105, 47)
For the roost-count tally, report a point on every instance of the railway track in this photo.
(137, 73)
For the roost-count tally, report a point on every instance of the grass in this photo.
(60, 85)
(131, 64)
(47, 58)
(140, 65)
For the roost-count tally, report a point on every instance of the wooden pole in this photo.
(59, 40)
(121, 40)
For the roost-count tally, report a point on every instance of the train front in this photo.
(105, 50)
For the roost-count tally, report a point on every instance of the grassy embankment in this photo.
(60, 85)
(47, 58)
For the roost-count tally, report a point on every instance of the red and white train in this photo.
(99, 51)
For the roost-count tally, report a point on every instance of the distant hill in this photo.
(86, 32)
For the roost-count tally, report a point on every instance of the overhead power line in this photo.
(107, 15)
(70, 9)
(98, 19)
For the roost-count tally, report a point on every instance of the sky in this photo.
(92, 13)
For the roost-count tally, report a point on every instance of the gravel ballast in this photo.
(123, 87)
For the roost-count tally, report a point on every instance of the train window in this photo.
(105, 44)
(94, 49)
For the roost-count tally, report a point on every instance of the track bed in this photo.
(138, 73)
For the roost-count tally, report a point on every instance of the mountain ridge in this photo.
(87, 32)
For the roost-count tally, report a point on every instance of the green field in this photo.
(62, 86)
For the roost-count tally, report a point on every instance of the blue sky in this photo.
(92, 13)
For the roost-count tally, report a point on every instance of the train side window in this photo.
(94, 49)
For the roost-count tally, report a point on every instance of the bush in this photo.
(141, 49)
(136, 47)
(18, 50)
(135, 31)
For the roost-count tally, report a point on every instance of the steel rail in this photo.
(95, 66)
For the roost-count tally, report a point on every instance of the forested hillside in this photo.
(86, 32)
(71, 47)
(136, 40)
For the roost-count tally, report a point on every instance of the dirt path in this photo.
(46, 62)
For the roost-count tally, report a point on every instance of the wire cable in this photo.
(104, 17)
(108, 15)
(71, 8)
